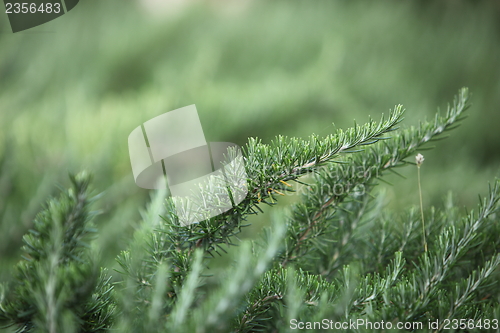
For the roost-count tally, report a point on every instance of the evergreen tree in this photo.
(335, 260)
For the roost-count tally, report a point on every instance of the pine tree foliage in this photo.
(336, 255)
(57, 287)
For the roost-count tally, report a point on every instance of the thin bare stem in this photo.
(421, 207)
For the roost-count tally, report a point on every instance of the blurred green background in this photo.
(73, 89)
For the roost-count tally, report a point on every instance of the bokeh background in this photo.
(73, 89)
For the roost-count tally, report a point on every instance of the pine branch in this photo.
(268, 168)
(180, 311)
(451, 247)
(285, 159)
(343, 257)
(176, 243)
(466, 290)
(271, 291)
(56, 279)
(316, 213)
(216, 312)
(373, 286)
(148, 289)
(309, 221)
(426, 286)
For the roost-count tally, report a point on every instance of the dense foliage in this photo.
(336, 257)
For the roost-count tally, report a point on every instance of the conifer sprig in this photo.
(322, 224)
(448, 249)
(337, 256)
(56, 280)
(285, 159)
(399, 293)
(218, 310)
(268, 166)
(321, 211)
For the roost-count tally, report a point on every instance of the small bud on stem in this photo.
(419, 159)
